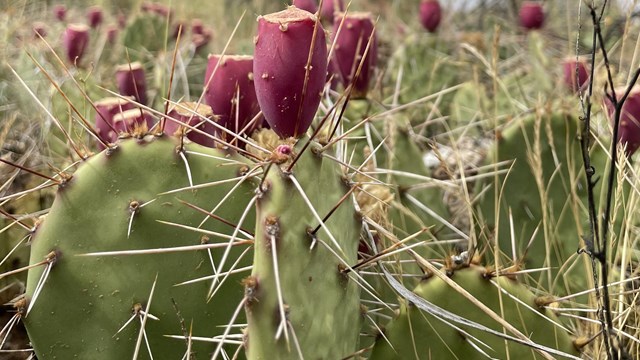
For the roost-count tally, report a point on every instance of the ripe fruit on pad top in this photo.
(230, 91)
(576, 73)
(309, 5)
(39, 29)
(329, 8)
(94, 16)
(353, 41)
(131, 81)
(289, 89)
(192, 114)
(130, 121)
(629, 127)
(107, 109)
(60, 12)
(531, 15)
(430, 14)
(75, 40)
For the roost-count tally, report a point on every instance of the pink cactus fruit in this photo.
(230, 92)
(131, 81)
(94, 16)
(75, 40)
(60, 12)
(199, 41)
(329, 8)
(308, 5)
(112, 34)
(129, 121)
(350, 46)
(162, 10)
(107, 108)
(195, 115)
(430, 14)
(197, 26)
(121, 19)
(531, 15)
(200, 34)
(629, 127)
(39, 30)
(576, 73)
(287, 87)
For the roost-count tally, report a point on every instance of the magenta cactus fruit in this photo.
(531, 15)
(39, 29)
(162, 10)
(230, 91)
(287, 87)
(60, 12)
(107, 108)
(129, 121)
(430, 14)
(112, 34)
(75, 40)
(195, 115)
(131, 81)
(353, 51)
(308, 5)
(197, 26)
(199, 41)
(329, 8)
(94, 16)
(629, 127)
(576, 73)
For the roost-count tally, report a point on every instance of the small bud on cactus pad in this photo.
(39, 30)
(531, 15)
(75, 40)
(106, 109)
(576, 73)
(131, 81)
(430, 14)
(629, 128)
(329, 8)
(60, 12)
(308, 5)
(129, 121)
(94, 16)
(350, 47)
(230, 91)
(192, 114)
(289, 89)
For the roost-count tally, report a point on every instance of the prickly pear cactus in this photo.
(544, 190)
(147, 31)
(417, 335)
(300, 301)
(93, 307)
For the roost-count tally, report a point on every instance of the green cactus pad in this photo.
(558, 208)
(86, 300)
(417, 335)
(321, 302)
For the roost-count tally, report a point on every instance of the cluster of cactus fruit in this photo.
(263, 222)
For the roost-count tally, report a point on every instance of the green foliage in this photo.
(117, 202)
(414, 334)
(321, 302)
